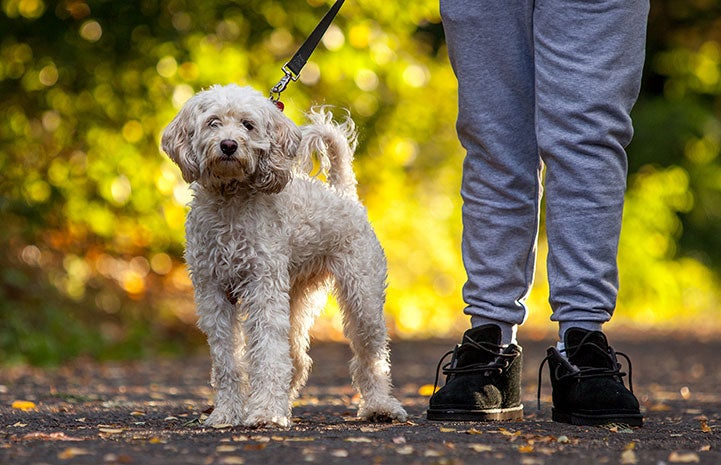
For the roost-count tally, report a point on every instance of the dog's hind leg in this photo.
(218, 320)
(360, 290)
(305, 305)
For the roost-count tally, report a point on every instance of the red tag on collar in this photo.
(279, 104)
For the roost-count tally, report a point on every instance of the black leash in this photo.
(291, 70)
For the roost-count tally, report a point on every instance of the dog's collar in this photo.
(291, 70)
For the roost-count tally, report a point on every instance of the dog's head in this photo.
(231, 134)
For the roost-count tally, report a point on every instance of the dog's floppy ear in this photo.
(177, 140)
(287, 135)
(273, 170)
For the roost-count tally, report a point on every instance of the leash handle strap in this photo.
(303, 54)
(293, 67)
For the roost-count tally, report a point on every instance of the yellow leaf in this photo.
(225, 448)
(628, 457)
(526, 449)
(480, 447)
(506, 432)
(358, 439)
(426, 390)
(705, 427)
(447, 430)
(683, 457)
(222, 426)
(659, 408)
(72, 452)
(232, 460)
(24, 405)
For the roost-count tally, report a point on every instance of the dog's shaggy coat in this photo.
(266, 241)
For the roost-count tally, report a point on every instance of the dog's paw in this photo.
(223, 416)
(383, 412)
(258, 420)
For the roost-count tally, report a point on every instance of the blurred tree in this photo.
(92, 212)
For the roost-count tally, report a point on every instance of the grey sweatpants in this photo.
(552, 82)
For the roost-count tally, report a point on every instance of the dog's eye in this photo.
(214, 123)
(248, 125)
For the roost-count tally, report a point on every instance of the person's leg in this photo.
(589, 58)
(491, 50)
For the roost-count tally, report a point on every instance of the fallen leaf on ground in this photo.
(339, 453)
(447, 430)
(628, 457)
(526, 460)
(24, 405)
(659, 408)
(405, 450)
(358, 439)
(426, 390)
(480, 447)
(473, 431)
(525, 449)
(72, 452)
(111, 430)
(259, 446)
(58, 436)
(232, 460)
(683, 457)
(618, 428)
(704, 426)
(399, 440)
(222, 426)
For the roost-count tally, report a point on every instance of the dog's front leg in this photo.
(218, 319)
(268, 356)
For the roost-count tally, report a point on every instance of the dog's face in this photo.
(230, 134)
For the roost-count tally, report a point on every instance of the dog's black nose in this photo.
(228, 146)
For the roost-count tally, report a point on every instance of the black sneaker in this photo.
(483, 380)
(587, 384)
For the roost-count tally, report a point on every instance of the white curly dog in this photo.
(266, 241)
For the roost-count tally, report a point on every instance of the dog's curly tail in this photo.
(333, 144)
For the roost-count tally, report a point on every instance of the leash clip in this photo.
(282, 84)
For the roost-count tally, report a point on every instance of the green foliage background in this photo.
(92, 212)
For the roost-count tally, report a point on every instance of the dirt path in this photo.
(148, 412)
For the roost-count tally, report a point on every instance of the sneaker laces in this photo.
(587, 372)
(501, 360)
